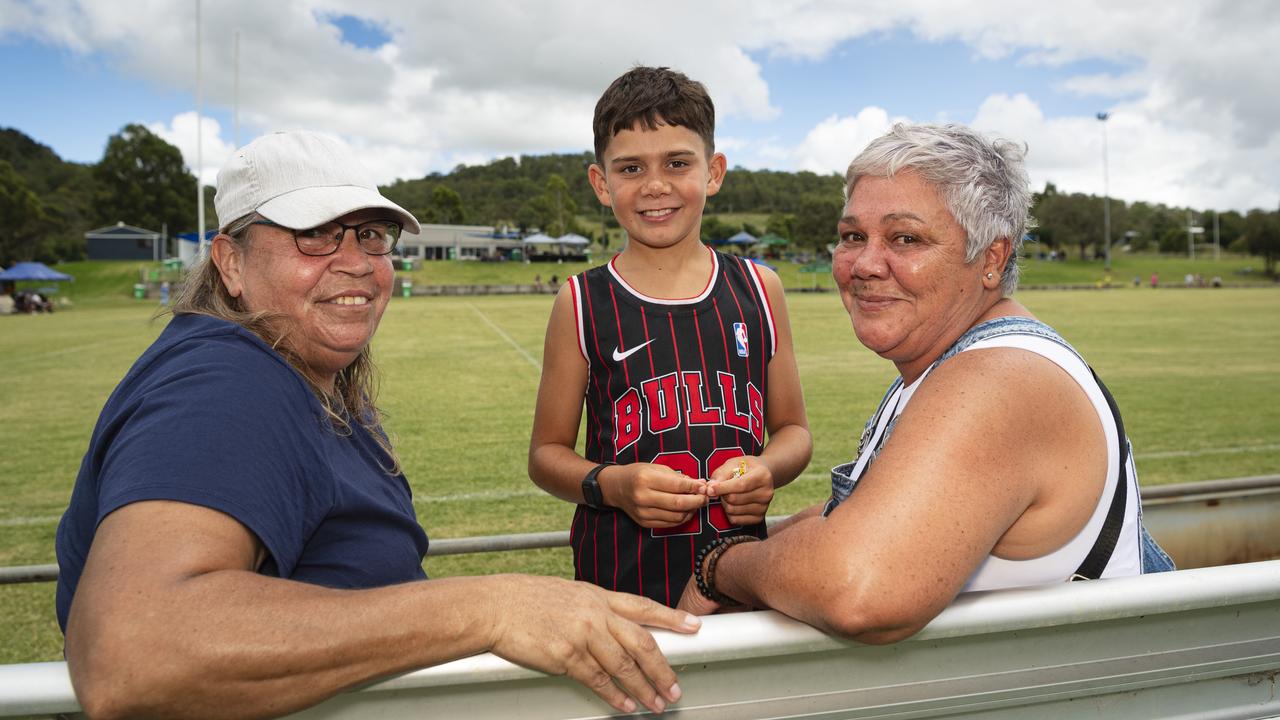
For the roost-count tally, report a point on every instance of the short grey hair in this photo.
(983, 182)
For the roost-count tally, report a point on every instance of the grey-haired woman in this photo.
(997, 458)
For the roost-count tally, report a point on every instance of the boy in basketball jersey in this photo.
(681, 355)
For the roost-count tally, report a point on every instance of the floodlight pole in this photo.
(1106, 193)
(203, 245)
(1191, 237)
(236, 92)
(1217, 248)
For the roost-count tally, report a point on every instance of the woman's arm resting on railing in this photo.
(170, 619)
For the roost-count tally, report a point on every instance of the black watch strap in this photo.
(591, 493)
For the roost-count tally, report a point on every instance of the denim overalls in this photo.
(1154, 559)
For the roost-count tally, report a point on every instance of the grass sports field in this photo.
(1196, 373)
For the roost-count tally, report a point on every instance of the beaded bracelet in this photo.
(711, 554)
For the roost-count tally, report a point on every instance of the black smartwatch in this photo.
(591, 488)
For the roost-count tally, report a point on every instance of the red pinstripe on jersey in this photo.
(641, 377)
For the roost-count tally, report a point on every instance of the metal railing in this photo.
(1194, 643)
(1234, 503)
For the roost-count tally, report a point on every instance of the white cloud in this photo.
(1192, 95)
(835, 141)
(1108, 85)
(1148, 158)
(213, 150)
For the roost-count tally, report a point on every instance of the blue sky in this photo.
(73, 102)
(422, 89)
(928, 81)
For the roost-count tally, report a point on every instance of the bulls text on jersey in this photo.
(665, 403)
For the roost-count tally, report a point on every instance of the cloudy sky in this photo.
(1190, 86)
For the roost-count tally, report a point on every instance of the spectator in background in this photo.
(31, 302)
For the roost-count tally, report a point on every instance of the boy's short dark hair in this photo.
(646, 95)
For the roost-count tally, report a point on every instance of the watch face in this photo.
(591, 489)
(591, 492)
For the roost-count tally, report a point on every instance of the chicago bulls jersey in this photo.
(680, 383)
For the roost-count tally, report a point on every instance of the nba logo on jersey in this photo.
(740, 337)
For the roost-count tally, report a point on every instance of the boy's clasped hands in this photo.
(656, 496)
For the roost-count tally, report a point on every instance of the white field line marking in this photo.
(36, 358)
(1212, 451)
(808, 476)
(417, 500)
(811, 475)
(482, 495)
(506, 337)
(19, 521)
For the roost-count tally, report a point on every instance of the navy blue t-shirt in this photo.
(210, 415)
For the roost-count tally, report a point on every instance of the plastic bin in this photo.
(139, 291)
(406, 288)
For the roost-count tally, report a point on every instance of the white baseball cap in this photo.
(299, 180)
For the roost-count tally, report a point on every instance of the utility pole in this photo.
(1106, 193)
(1191, 238)
(1217, 247)
(235, 99)
(202, 244)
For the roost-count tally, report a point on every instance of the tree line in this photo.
(1075, 222)
(551, 193)
(47, 204)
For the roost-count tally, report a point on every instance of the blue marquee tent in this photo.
(189, 244)
(33, 271)
(194, 237)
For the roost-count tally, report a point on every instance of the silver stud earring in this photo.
(990, 275)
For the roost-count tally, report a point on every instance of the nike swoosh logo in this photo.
(620, 356)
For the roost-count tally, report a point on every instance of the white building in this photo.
(449, 242)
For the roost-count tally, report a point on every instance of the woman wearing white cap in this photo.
(240, 541)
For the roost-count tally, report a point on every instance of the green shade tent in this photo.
(817, 268)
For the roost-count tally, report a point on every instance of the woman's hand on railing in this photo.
(593, 636)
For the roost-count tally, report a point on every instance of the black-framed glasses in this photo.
(375, 237)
